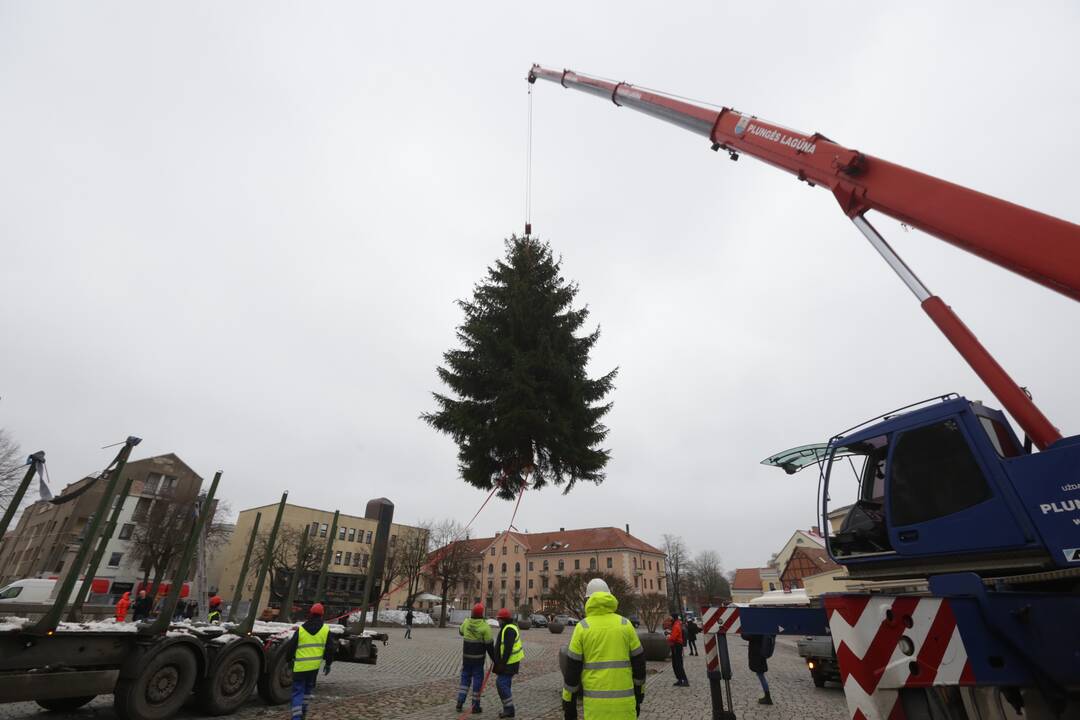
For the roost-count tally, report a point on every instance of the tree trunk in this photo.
(442, 610)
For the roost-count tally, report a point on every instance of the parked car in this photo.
(39, 590)
(634, 620)
(538, 620)
(568, 620)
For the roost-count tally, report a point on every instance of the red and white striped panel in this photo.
(887, 643)
(712, 658)
(723, 620)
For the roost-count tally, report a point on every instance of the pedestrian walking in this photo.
(508, 657)
(605, 661)
(692, 631)
(122, 607)
(309, 649)
(759, 650)
(213, 615)
(675, 640)
(408, 623)
(142, 606)
(477, 644)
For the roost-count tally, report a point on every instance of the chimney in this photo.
(562, 529)
(815, 531)
(627, 528)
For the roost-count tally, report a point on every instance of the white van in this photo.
(35, 590)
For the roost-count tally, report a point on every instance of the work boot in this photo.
(476, 709)
(506, 713)
(458, 707)
(767, 700)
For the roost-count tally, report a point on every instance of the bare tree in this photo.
(450, 563)
(284, 559)
(652, 607)
(11, 468)
(678, 555)
(569, 592)
(413, 548)
(158, 539)
(705, 581)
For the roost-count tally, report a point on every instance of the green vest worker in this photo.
(477, 644)
(308, 648)
(214, 616)
(605, 661)
(508, 656)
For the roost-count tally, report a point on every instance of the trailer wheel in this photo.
(65, 704)
(819, 678)
(160, 689)
(275, 682)
(230, 682)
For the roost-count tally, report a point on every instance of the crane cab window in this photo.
(934, 474)
(862, 529)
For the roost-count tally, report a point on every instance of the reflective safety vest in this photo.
(604, 644)
(517, 654)
(310, 649)
(214, 616)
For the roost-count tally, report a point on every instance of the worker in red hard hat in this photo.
(508, 657)
(477, 644)
(310, 647)
(214, 616)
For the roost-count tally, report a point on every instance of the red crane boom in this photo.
(1041, 247)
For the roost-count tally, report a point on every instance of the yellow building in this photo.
(350, 557)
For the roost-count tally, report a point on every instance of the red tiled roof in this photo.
(568, 541)
(747, 579)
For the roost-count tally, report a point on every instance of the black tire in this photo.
(819, 679)
(65, 704)
(230, 682)
(162, 686)
(275, 681)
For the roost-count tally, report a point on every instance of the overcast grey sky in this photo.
(237, 230)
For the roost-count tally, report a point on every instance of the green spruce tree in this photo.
(524, 404)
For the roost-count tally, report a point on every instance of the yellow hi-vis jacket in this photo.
(604, 642)
(310, 649)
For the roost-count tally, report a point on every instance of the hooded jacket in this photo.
(122, 607)
(477, 641)
(312, 625)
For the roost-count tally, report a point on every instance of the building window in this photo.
(393, 540)
(544, 582)
(592, 563)
(609, 563)
(492, 549)
(491, 568)
(168, 485)
(368, 540)
(341, 534)
(126, 531)
(517, 584)
(322, 530)
(577, 564)
(530, 566)
(660, 584)
(530, 584)
(650, 564)
(363, 561)
(142, 509)
(491, 584)
(562, 565)
(502, 584)
(348, 558)
(337, 557)
(517, 567)
(504, 548)
(517, 549)
(314, 529)
(504, 567)
(151, 485)
(545, 565)
(635, 581)
(114, 559)
(352, 534)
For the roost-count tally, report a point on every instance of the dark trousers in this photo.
(677, 664)
(474, 673)
(692, 644)
(502, 684)
(303, 687)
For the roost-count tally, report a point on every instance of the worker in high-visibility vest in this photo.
(214, 615)
(508, 657)
(310, 648)
(605, 661)
(476, 635)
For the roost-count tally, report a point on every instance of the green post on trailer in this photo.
(239, 592)
(51, 619)
(320, 590)
(264, 567)
(37, 465)
(165, 614)
(286, 606)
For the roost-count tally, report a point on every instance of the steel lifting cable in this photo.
(528, 166)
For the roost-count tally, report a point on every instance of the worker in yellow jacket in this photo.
(605, 661)
(311, 647)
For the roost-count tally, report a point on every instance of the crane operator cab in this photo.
(943, 486)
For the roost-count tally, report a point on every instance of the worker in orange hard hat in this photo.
(311, 647)
(214, 616)
(477, 644)
(508, 657)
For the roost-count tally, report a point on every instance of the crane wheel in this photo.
(65, 704)
(165, 682)
(275, 682)
(230, 682)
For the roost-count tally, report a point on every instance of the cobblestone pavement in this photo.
(418, 679)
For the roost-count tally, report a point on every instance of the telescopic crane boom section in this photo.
(1040, 247)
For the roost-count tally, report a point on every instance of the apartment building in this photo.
(519, 569)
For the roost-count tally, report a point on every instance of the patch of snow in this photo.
(11, 624)
(397, 617)
(98, 626)
(225, 639)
